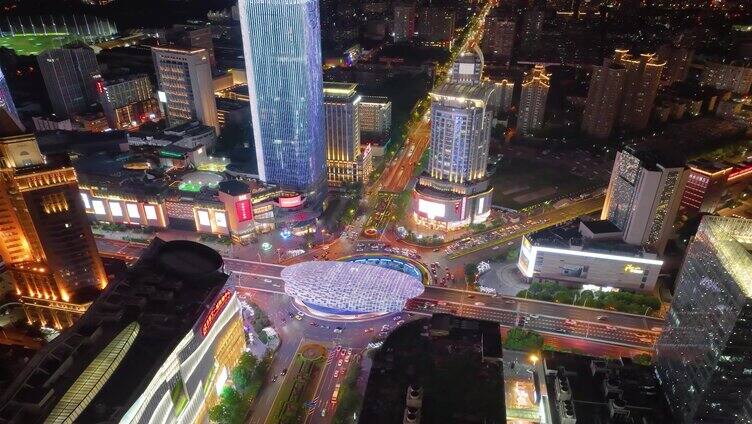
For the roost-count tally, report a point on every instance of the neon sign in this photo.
(243, 210)
(290, 202)
(214, 312)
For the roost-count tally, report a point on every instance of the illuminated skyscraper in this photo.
(282, 47)
(46, 239)
(643, 197)
(6, 100)
(403, 25)
(344, 161)
(454, 191)
(703, 357)
(185, 85)
(533, 100)
(603, 99)
(498, 37)
(68, 75)
(642, 79)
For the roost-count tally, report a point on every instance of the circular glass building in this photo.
(349, 289)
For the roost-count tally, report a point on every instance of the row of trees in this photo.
(350, 398)
(621, 301)
(235, 401)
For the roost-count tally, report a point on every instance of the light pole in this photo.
(646, 310)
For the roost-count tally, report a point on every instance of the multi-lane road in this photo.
(565, 320)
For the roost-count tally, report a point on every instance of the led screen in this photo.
(98, 207)
(431, 209)
(243, 210)
(150, 211)
(116, 209)
(133, 210)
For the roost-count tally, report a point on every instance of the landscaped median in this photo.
(298, 385)
(631, 303)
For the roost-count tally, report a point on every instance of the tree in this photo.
(643, 359)
(243, 372)
(229, 410)
(519, 339)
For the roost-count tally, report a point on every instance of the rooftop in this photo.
(463, 92)
(567, 236)
(603, 391)
(96, 370)
(732, 240)
(601, 226)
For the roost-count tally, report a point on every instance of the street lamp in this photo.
(533, 358)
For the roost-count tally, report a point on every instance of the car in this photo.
(323, 412)
(471, 296)
(284, 372)
(646, 340)
(337, 330)
(311, 323)
(385, 327)
(336, 373)
(534, 316)
(339, 363)
(368, 330)
(284, 320)
(610, 328)
(266, 280)
(400, 322)
(507, 301)
(338, 348)
(601, 318)
(570, 322)
(274, 379)
(349, 351)
(479, 304)
(299, 317)
(396, 318)
(436, 250)
(290, 314)
(383, 334)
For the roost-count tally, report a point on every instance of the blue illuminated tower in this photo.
(6, 101)
(282, 47)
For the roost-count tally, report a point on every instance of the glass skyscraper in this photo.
(6, 101)
(704, 356)
(282, 46)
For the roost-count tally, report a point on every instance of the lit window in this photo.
(85, 198)
(133, 210)
(203, 218)
(116, 209)
(151, 212)
(221, 219)
(98, 207)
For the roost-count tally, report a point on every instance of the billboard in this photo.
(244, 210)
(431, 209)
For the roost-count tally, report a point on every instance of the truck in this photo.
(335, 394)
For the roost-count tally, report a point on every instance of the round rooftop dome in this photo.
(349, 288)
(190, 260)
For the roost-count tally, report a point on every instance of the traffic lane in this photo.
(543, 308)
(550, 325)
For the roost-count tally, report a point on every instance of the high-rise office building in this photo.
(403, 22)
(6, 101)
(533, 100)
(603, 99)
(678, 59)
(643, 196)
(344, 161)
(68, 74)
(642, 79)
(127, 102)
(282, 46)
(468, 67)
(736, 78)
(498, 38)
(503, 94)
(375, 115)
(703, 357)
(194, 36)
(454, 192)
(436, 25)
(47, 242)
(185, 85)
(158, 345)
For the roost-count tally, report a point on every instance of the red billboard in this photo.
(214, 312)
(244, 210)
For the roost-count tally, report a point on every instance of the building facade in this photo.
(186, 87)
(603, 99)
(403, 22)
(643, 197)
(468, 67)
(128, 102)
(702, 357)
(344, 160)
(533, 100)
(436, 25)
(375, 115)
(47, 242)
(454, 191)
(641, 83)
(68, 75)
(678, 59)
(731, 77)
(498, 38)
(282, 46)
(6, 99)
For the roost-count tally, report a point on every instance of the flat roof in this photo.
(461, 91)
(601, 226)
(567, 236)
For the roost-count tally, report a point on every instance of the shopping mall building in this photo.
(157, 346)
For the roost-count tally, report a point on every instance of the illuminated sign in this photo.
(116, 209)
(203, 218)
(634, 269)
(162, 96)
(535, 249)
(243, 210)
(221, 219)
(151, 211)
(481, 203)
(100, 87)
(98, 207)
(169, 154)
(214, 312)
(431, 209)
(132, 209)
(290, 202)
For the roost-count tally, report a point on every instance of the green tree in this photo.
(643, 359)
(520, 339)
(242, 374)
(229, 410)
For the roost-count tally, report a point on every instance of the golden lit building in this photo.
(45, 237)
(345, 161)
(533, 100)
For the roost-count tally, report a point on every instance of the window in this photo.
(116, 209)
(98, 207)
(221, 219)
(150, 211)
(85, 198)
(203, 218)
(133, 211)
